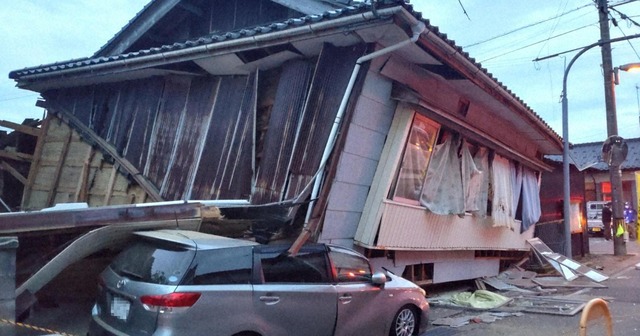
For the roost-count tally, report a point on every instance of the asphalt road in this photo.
(622, 292)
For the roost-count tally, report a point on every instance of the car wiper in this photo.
(131, 274)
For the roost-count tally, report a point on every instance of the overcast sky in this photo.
(505, 36)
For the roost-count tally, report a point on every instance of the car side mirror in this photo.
(379, 278)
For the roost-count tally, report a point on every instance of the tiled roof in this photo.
(212, 39)
(589, 156)
(204, 40)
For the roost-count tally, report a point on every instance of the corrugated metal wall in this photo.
(411, 227)
(191, 137)
(195, 137)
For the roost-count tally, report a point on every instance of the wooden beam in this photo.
(37, 155)
(112, 182)
(14, 172)
(81, 191)
(16, 156)
(21, 128)
(107, 148)
(59, 167)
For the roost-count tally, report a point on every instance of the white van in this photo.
(594, 216)
(594, 209)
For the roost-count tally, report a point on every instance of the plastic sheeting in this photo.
(480, 299)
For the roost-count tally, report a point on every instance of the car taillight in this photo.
(171, 300)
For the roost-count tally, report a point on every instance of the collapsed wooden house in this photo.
(360, 119)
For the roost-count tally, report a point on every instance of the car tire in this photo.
(405, 322)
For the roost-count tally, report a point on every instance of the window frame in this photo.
(431, 128)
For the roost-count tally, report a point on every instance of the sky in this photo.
(504, 36)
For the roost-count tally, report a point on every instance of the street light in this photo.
(629, 67)
(566, 190)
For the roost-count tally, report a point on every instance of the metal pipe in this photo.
(565, 140)
(417, 29)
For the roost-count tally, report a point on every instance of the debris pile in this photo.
(516, 291)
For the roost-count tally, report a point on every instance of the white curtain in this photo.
(442, 193)
(531, 211)
(472, 178)
(502, 202)
(481, 160)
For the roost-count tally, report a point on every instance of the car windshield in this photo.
(153, 262)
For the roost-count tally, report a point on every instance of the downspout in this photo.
(417, 28)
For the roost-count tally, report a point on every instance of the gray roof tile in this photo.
(589, 156)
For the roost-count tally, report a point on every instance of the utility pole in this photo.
(615, 175)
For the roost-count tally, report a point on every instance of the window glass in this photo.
(221, 266)
(304, 267)
(415, 159)
(153, 262)
(350, 266)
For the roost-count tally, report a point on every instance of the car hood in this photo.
(400, 282)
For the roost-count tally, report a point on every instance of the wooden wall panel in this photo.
(165, 132)
(190, 138)
(224, 170)
(283, 126)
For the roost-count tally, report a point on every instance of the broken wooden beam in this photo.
(21, 128)
(14, 172)
(22, 157)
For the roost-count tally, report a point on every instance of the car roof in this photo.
(195, 239)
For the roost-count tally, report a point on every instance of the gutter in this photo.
(124, 64)
(418, 27)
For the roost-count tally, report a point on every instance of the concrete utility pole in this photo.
(619, 245)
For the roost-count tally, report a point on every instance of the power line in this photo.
(19, 97)
(534, 43)
(524, 27)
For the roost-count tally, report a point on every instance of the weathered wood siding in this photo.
(195, 137)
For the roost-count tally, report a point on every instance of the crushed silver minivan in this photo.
(180, 282)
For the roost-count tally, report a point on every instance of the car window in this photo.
(220, 267)
(349, 266)
(153, 262)
(303, 267)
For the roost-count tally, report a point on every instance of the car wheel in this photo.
(404, 322)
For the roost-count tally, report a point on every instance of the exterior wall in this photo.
(358, 160)
(445, 243)
(447, 265)
(550, 228)
(68, 169)
(410, 227)
(594, 179)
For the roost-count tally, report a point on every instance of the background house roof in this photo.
(589, 156)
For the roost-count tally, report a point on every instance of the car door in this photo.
(295, 296)
(363, 308)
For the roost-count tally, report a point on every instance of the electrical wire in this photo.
(626, 18)
(523, 27)
(535, 43)
(19, 97)
(555, 25)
